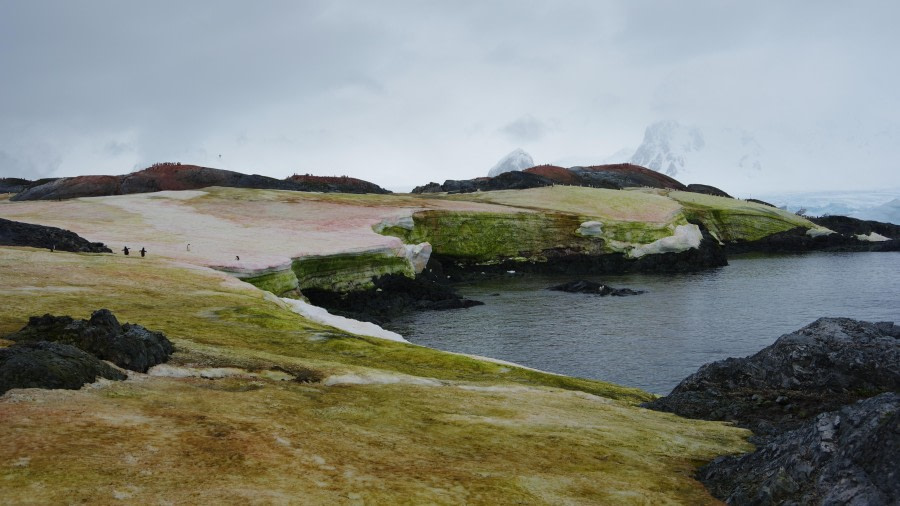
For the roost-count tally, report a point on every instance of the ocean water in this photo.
(652, 341)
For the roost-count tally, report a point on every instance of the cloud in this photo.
(525, 129)
(402, 92)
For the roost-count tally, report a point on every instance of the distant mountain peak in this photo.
(518, 159)
(692, 152)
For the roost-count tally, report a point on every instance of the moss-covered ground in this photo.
(476, 432)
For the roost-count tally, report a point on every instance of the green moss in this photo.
(349, 271)
(278, 282)
(484, 237)
(738, 220)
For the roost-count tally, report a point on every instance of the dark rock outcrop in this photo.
(852, 226)
(707, 190)
(14, 233)
(515, 180)
(51, 365)
(821, 367)
(763, 202)
(336, 184)
(393, 294)
(591, 287)
(174, 176)
(16, 185)
(797, 240)
(849, 456)
(128, 346)
(615, 176)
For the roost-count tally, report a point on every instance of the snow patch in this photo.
(418, 255)
(171, 371)
(818, 232)
(873, 237)
(177, 195)
(404, 222)
(321, 315)
(379, 378)
(685, 238)
(590, 229)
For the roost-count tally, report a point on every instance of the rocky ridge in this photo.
(14, 233)
(51, 365)
(175, 177)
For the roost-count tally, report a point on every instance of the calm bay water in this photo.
(652, 341)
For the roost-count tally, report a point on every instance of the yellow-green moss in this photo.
(738, 220)
(277, 282)
(349, 271)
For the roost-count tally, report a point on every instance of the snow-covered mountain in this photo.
(877, 205)
(518, 159)
(693, 154)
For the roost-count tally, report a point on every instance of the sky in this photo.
(406, 92)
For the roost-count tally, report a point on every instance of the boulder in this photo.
(49, 365)
(591, 287)
(848, 456)
(821, 367)
(131, 347)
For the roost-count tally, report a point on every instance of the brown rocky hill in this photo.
(175, 176)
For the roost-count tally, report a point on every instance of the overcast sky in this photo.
(406, 92)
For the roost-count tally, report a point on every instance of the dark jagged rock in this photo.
(852, 226)
(707, 190)
(393, 294)
(797, 240)
(14, 233)
(128, 346)
(173, 176)
(431, 187)
(51, 365)
(849, 456)
(827, 364)
(591, 287)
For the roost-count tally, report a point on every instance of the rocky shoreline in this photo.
(823, 402)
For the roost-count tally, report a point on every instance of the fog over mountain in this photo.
(401, 93)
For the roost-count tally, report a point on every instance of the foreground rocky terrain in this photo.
(824, 404)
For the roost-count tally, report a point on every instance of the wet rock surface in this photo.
(848, 456)
(392, 296)
(131, 347)
(821, 367)
(14, 233)
(50, 365)
(591, 287)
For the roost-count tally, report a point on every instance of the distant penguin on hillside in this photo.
(125, 250)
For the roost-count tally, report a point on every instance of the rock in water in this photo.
(582, 286)
(50, 365)
(850, 456)
(821, 367)
(128, 346)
